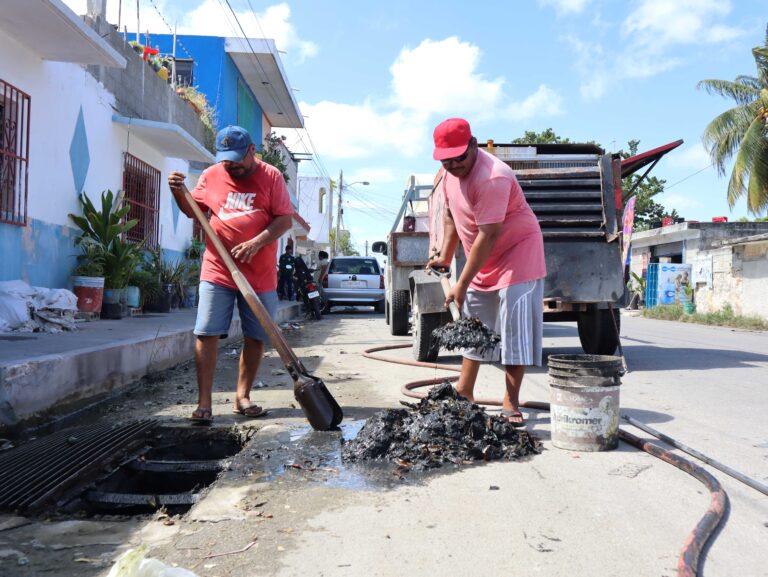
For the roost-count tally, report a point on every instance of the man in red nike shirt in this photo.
(250, 209)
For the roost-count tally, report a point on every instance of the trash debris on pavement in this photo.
(232, 353)
(443, 427)
(260, 385)
(135, 563)
(25, 308)
(468, 333)
(276, 372)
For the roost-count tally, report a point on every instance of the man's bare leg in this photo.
(466, 383)
(250, 360)
(514, 380)
(206, 353)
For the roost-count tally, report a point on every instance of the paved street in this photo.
(621, 512)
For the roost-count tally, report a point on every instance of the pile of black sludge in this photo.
(443, 427)
(467, 333)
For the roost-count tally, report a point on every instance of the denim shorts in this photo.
(215, 308)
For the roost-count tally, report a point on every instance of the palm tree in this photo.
(742, 132)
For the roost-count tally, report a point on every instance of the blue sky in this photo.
(374, 78)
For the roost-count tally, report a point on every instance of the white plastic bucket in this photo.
(584, 401)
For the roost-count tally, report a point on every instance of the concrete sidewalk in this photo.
(39, 371)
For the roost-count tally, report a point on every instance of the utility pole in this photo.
(338, 215)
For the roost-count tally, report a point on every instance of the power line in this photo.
(710, 165)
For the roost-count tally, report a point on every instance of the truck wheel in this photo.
(425, 348)
(386, 310)
(398, 310)
(596, 331)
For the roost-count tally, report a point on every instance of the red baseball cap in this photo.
(451, 137)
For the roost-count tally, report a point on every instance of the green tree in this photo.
(647, 210)
(346, 247)
(272, 154)
(742, 133)
(547, 136)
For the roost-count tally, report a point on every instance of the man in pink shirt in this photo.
(250, 209)
(502, 282)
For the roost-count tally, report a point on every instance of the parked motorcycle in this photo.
(306, 287)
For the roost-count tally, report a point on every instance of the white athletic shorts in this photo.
(516, 313)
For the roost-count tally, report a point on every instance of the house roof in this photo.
(168, 139)
(258, 61)
(54, 32)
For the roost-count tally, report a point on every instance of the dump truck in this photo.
(576, 192)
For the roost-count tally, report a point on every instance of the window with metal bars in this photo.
(14, 153)
(141, 188)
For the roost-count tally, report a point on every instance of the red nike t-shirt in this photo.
(241, 208)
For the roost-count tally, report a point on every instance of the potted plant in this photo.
(191, 280)
(689, 307)
(103, 228)
(148, 285)
(88, 276)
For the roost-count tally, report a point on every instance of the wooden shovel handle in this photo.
(287, 355)
(455, 313)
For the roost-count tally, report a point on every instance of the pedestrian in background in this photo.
(250, 209)
(502, 281)
(285, 269)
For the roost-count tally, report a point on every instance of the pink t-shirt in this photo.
(241, 208)
(488, 195)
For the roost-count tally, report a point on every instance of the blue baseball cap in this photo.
(232, 143)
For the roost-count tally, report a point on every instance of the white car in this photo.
(354, 280)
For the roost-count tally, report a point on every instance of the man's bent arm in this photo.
(478, 256)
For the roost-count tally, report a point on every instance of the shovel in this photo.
(462, 333)
(319, 406)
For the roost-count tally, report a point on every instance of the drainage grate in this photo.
(42, 470)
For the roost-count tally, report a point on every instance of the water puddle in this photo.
(309, 456)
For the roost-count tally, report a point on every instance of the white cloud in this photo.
(436, 79)
(661, 22)
(358, 131)
(209, 18)
(440, 77)
(692, 157)
(652, 32)
(563, 7)
(543, 102)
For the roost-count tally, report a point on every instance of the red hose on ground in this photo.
(688, 561)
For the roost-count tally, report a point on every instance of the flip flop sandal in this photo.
(507, 414)
(202, 416)
(251, 412)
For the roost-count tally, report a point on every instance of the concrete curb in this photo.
(34, 384)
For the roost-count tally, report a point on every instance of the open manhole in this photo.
(170, 472)
(130, 468)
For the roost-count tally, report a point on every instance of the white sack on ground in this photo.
(24, 308)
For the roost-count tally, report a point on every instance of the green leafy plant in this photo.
(148, 284)
(638, 285)
(90, 261)
(272, 154)
(204, 111)
(101, 239)
(195, 249)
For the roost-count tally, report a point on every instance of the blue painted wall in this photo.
(215, 75)
(40, 254)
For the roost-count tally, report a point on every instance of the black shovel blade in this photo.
(317, 402)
